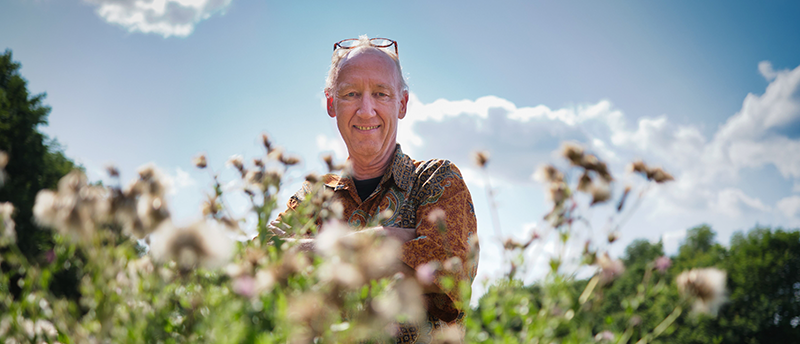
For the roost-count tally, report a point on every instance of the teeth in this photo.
(366, 128)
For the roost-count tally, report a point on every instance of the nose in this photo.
(367, 107)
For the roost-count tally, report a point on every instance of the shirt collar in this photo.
(401, 171)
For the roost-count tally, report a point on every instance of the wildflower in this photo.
(6, 223)
(75, 209)
(613, 236)
(623, 198)
(254, 178)
(209, 206)
(403, 301)
(637, 166)
(426, 273)
(557, 192)
(655, 174)
(601, 192)
(312, 178)
(112, 171)
(332, 167)
(438, 217)
(265, 279)
(453, 264)
(151, 181)
(481, 158)
(289, 160)
(266, 142)
(663, 263)
(449, 335)
(27, 326)
(658, 175)
(341, 273)
(244, 285)
(200, 161)
(573, 153)
(46, 328)
(151, 211)
(585, 182)
(706, 286)
(198, 244)
(549, 174)
(238, 162)
(276, 154)
(609, 268)
(605, 336)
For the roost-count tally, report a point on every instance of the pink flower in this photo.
(244, 285)
(663, 263)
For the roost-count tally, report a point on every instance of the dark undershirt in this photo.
(366, 187)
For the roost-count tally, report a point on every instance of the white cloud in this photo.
(709, 187)
(765, 68)
(162, 17)
(178, 181)
(731, 200)
(790, 206)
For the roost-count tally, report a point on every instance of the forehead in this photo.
(368, 63)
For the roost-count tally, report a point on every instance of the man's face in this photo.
(367, 102)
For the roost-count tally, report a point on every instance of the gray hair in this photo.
(363, 43)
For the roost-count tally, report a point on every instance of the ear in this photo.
(403, 105)
(329, 104)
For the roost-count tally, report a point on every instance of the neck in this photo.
(368, 168)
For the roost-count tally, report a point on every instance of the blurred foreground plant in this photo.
(146, 279)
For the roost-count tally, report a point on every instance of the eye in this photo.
(349, 95)
(382, 95)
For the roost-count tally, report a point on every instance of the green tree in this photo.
(35, 162)
(764, 284)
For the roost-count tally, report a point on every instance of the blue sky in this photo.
(707, 89)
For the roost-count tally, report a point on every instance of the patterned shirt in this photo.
(411, 190)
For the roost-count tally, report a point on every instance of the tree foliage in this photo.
(35, 162)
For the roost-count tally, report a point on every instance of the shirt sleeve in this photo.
(445, 189)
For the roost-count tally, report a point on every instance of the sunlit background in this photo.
(708, 90)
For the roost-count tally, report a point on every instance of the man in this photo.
(367, 96)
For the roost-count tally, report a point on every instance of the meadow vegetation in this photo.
(88, 263)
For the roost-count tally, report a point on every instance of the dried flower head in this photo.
(706, 286)
(332, 167)
(76, 209)
(573, 153)
(548, 174)
(200, 244)
(585, 182)
(312, 178)
(610, 269)
(655, 174)
(112, 171)
(289, 160)
(613, 236)
(658, 175)
(601, 192)
(266, 142)
(481, 158)
(200, 161)
(237, 162)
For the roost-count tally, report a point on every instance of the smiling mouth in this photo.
(366, 128)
